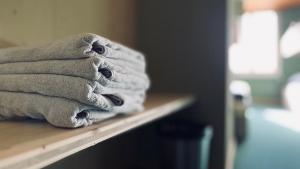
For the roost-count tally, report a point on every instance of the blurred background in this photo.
(240, 58)
(263, 58)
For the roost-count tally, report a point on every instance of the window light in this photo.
(256, 49)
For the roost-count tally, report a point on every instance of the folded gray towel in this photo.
(86, 68)
(75, 88)
(72, 82)
(57, 111)
(75, 47)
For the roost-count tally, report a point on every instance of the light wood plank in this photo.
(35, 144)
(258, 5)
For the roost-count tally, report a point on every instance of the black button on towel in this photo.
(98, 48)
(116, 100)
(107, 73)
(81, 115)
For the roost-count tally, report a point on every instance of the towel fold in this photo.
(74, 47)
(57, 111)
(89, 68)
(74, 88)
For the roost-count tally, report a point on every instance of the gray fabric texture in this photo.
(86, 68)
(74, 47)
(57, 111)
(74, 88)
(72, 82)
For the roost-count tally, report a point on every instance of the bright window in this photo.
(256, 51)
(290, 41)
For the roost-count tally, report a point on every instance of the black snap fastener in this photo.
(116, 100)
(81, 115)
(98, 48)
(107, 73)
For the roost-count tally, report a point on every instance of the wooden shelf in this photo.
(35, 144)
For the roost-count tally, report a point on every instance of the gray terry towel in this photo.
(127, 50)
(75, 47)
(57, 111)
(75, 88)
(89, 68)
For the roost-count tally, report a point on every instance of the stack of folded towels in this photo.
(72, 82)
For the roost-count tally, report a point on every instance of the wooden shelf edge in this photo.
(46, 154)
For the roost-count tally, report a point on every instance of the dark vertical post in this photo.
(185, 44)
